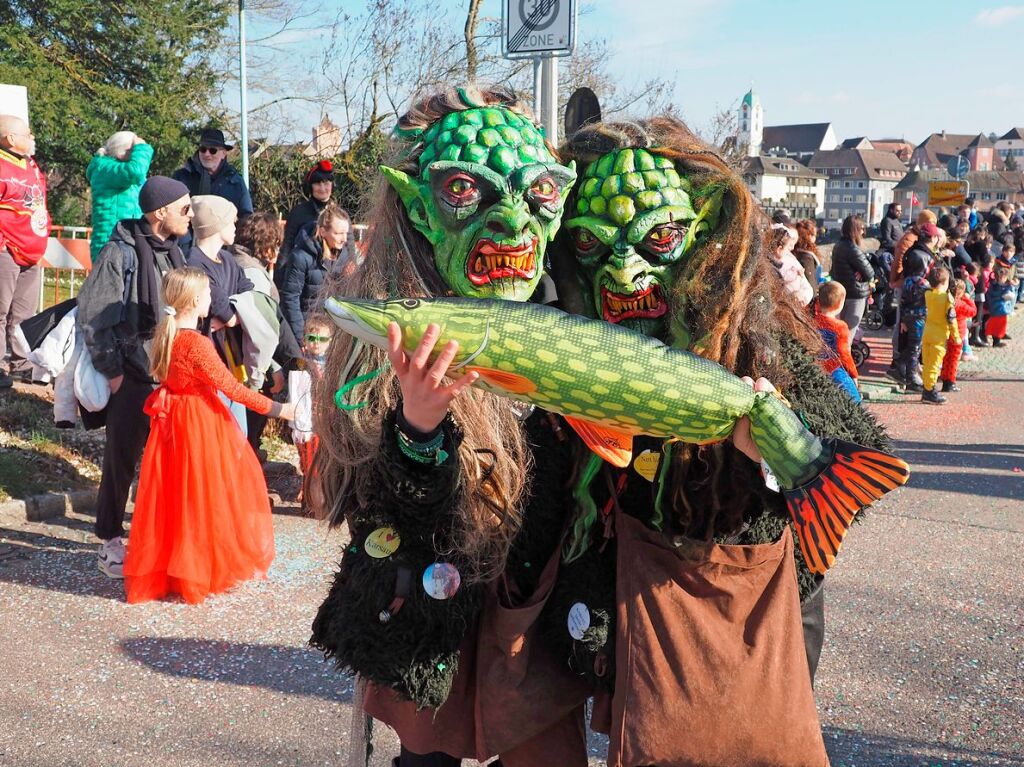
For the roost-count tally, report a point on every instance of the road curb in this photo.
(48, 505)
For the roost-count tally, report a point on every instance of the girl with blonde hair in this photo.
(202, 519)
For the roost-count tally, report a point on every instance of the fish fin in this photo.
(510, 382)
(823, 509)
(612, 445)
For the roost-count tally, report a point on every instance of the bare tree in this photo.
(472, 18)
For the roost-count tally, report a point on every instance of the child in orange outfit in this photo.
(965, 309)
(834, 332)
(940, 326)
(202, 519)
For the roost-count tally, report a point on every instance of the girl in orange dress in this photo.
(202, 517)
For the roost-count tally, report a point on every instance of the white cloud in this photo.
(994, 17)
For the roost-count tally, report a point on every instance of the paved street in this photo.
(923, 662)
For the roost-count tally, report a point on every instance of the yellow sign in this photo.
(646, 464)
(947, 193)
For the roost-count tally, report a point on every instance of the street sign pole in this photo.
(538, 87)
(541, 30)
(550, 117)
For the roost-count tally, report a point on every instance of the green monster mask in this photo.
(488, 198)
(636, 223)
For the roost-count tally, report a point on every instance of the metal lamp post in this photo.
(244, 129)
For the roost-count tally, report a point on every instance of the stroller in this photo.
(859, 349)
(880, 311)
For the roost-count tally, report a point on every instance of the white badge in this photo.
(579, 620)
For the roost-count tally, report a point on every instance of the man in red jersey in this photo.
(24, 228)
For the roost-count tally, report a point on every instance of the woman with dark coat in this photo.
(319, 250)
(318, 186)
(852, 270)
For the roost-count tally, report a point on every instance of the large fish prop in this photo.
(611, 383)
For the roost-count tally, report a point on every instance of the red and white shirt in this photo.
(24, 220)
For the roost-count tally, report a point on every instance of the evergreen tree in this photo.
(93, 68)
(1011, 162)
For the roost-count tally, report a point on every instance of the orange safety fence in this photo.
(66, 251)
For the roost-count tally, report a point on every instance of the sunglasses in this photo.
(313, 339)
(209, 149)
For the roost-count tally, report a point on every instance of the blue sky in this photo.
(873, 67)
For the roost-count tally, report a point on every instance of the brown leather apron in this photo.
(510, 695)
(711, 665)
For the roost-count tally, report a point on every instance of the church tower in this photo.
(751, 123)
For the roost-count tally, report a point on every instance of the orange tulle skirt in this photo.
(202, 521)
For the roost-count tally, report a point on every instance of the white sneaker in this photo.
(111, 558)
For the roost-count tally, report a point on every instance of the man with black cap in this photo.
(118, 309)
(209, 172)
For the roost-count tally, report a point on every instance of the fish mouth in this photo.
(489, 261)
(643, 304)
(359, 319)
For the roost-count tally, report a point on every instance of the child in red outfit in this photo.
(965, 310)
(839, 362)
(202, 519)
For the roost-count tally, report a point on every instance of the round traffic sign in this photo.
(958, 166)
(538, 14)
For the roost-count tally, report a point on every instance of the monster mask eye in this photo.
(460, 190)
(544, 191)
(586, 243)
(664, 239)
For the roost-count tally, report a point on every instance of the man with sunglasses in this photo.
(209, 172)
(118, 309)
(24, 229)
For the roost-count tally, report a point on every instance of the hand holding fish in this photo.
(425, 396)
(741, 438)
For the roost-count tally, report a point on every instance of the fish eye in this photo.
(410, 303)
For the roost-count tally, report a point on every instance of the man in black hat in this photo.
(118, 308)
(209, 172)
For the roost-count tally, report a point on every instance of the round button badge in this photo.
(382, 543)
(441, 580)
(579, 620)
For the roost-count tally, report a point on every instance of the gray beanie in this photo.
(211, 214)
(159, 191)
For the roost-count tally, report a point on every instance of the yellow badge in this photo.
(382, 543)
(646, 464)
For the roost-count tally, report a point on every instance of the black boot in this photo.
(997, 342)
(949, 386)
(932, 397)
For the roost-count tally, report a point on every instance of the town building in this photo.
(987, 187)
(800, 142)
(939, 148)
(860, 181)
(326, 140)
(751, 123)
(782, 182)
(1011, 144)
(902, 149)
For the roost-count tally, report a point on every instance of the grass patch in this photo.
(35, 456)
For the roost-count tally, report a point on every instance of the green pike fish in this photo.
(611, 383)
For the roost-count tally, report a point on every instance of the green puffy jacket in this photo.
(115, 188)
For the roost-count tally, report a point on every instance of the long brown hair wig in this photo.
(494, 457)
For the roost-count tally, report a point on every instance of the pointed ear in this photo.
(411, 193)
